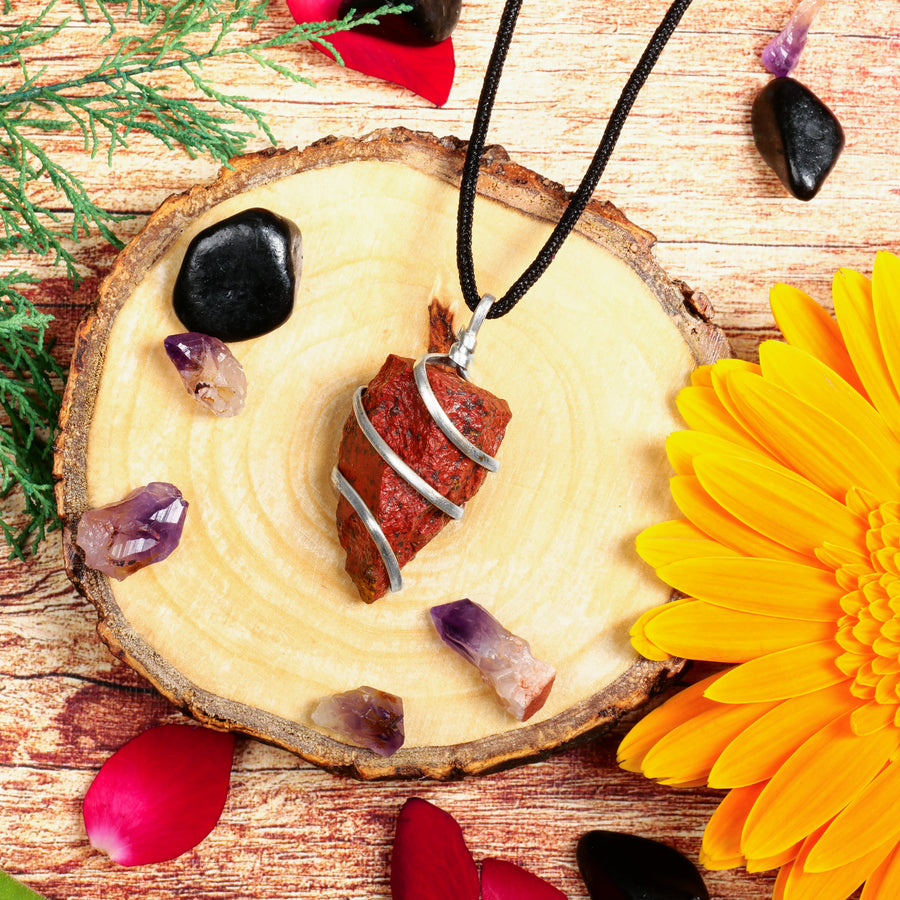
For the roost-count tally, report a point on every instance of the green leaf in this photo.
(10, 889)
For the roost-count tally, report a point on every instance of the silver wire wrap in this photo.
(382, 448)
(460, 356)
(378, 536)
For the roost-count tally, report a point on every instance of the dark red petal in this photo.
(502, 880)
(160, 795)
(430, 860)
(393, 51)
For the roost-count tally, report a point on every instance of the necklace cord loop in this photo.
(582, 196)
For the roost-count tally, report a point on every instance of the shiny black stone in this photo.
(237, 278)
(433, 19)
(618, 866)
(797, 135)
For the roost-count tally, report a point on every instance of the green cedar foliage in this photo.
(123, 95)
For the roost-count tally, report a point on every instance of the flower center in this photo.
(869, 630)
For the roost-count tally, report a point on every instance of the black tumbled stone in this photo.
(436, 19)
(237, 278)
(618, 866)
(797, 135)
(433, 19)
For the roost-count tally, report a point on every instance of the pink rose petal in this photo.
(393, 51)
(160, 795)
(502, 880)
(430, 860)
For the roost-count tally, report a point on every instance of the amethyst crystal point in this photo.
(144, 528)
(521, 682)
(209, 371)
(366, 716)
(783, 52)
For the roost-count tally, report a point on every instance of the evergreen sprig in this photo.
(121, 95)
(30, 379)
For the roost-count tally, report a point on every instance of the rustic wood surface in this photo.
(686, 169)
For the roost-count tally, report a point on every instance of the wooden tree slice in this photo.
(252, 620)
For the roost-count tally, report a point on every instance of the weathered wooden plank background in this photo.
(686, 169)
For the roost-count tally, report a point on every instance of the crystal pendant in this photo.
(416, 447)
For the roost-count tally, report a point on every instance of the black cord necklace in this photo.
(383, 528)
(582, 195)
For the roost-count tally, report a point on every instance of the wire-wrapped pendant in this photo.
(417, 446)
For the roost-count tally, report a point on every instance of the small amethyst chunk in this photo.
(211, 374)
(782, 53)
(521, 682)
(617, 866)
(365, 716)
(144, 528)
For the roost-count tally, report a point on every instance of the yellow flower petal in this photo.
(762, 748)
(814, 383)
(659, 722)
(830, 770)
(886, 306)
(773, 862)
(884, 882)
(798, 669)
(770, 587)
(816, 445)
(722, 838)
(719, 863)
(638, 633)
(838, 884)
(807, 325)
(688, 751)
(837, 557)
(678, 539)
(702, 410)
(683, 447)
(699, 630)
(700, 376)
(865, 823)
(874, 716)
(861, 502)
(779, 504)
(695, 503)
(719, 379)
(853, 307)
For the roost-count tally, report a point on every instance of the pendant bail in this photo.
(460, 355)
(461, 352)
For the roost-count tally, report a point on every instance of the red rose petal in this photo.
(430, 860)
(393, 51)
(501, 880)
(160, 795)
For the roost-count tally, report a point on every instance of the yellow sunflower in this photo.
(789, 557)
